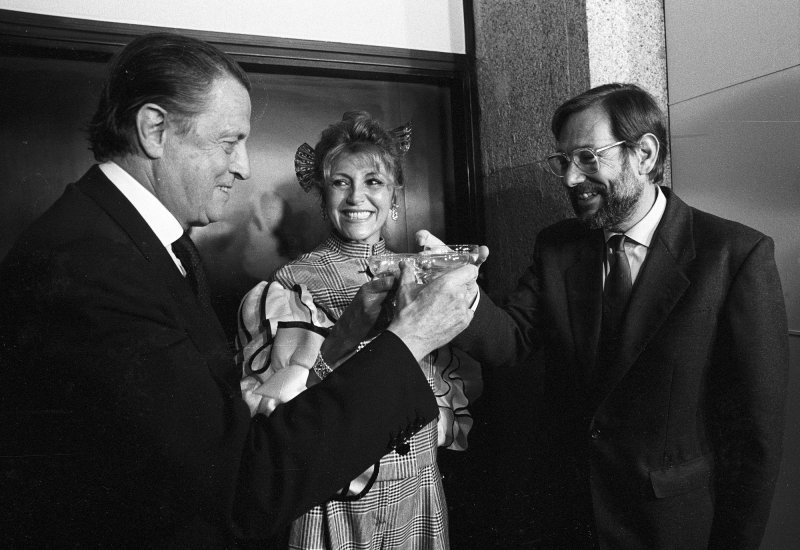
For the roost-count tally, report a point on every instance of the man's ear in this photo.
(647, 153)
(151, 122)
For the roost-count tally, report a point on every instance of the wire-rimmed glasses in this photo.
(585, 159)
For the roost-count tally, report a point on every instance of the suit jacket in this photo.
(678, 442)
(122, 417)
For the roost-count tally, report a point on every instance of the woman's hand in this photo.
(363, 319)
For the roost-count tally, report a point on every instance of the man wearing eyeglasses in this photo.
(663, 331)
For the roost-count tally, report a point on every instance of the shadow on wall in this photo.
(521, 201)
(262, 232)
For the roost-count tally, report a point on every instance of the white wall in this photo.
(435, 25)
(734, 95)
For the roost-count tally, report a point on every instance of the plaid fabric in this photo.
(333, 272)
(406, 515)
(405, 507)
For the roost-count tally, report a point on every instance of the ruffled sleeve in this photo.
(280, 333)
(457, 382)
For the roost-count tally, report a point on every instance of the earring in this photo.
(393, 212)
(323, 212)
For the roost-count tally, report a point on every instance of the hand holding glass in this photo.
(385, 265)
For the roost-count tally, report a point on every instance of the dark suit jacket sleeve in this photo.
(164, 421)
(340, 425)
(503, 336)
(747, 393)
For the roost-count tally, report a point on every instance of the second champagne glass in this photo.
(471, 249)
(432, 262)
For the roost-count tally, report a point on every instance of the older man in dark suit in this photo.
(663, 331)
(120, 400)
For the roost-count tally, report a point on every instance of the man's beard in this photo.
(619, 200)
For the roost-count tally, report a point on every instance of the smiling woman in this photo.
(356, 168)
(356, 171)
(358, 198)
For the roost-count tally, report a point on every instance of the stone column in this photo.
(531, 55)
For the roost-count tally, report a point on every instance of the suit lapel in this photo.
(202, 327)
(661, 283)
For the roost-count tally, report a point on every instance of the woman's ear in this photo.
(151, 122)
(647, 153)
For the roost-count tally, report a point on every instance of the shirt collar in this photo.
(644, 230)
(352, 249)
(166, 227)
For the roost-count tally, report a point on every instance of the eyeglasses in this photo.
(585, 158)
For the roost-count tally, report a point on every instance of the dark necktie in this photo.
(189, 256)
(617, 290)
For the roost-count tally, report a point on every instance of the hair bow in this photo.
(402, 135)
(304, 166)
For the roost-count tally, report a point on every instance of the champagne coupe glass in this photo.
(385, 265)
(471, 249)
(435, 260)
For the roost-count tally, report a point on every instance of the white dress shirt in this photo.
(639, 237)
(166, 227)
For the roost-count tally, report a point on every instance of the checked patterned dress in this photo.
(399, 503)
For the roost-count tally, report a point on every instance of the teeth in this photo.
(357, 215)
(585, 196)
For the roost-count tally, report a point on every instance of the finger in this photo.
(470, 314)
(408, 280)
(422, 236)
(381, 284)
(460, 276)
(426, 238)
(483, 253)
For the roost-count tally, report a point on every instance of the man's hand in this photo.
(360, 321)
(429, 316)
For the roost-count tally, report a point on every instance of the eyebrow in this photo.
(368, 174)
(232, 132)
(584, 146)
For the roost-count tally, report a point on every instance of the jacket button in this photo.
(403, 448)
(595, 433)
